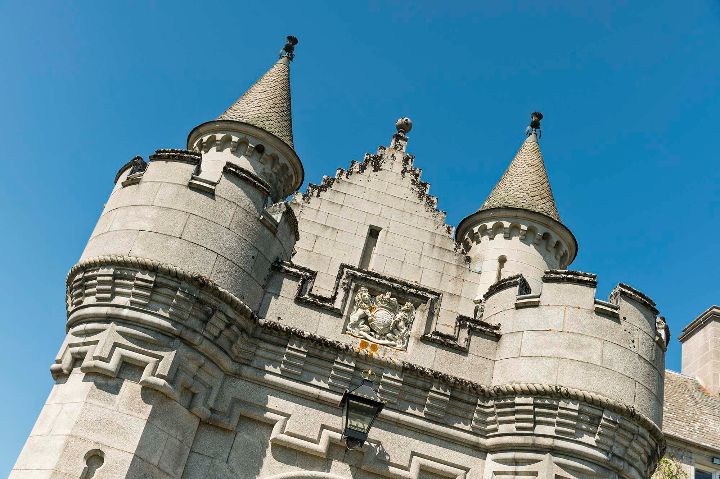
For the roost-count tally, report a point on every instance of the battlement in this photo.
(565, 335)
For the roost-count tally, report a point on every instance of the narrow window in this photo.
(370, 242)
(501, 264)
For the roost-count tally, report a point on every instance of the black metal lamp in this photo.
(361, 406)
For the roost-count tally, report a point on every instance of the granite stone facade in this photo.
(213, 326)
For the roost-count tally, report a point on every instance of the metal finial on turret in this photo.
(289, 48)
(534, 127)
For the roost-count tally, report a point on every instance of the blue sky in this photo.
(629, 93)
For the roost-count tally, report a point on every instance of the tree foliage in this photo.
(669, 468)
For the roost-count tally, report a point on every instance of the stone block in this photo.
(173, 458)
(152, 443)
(149, 218)
(597, 379)
(112, 242)
(508, 346)
(168, 172)
(217, 238)
(568, 294)
(139, 194)
(562, 345)
(40, 452)
(241, 193)
(46, 419)
(184, 254)
(200, 204)
(526, 370)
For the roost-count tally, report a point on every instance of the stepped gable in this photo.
(384, 201)
(690, 413)
(267, 103)
(525, 183)
(373, 163)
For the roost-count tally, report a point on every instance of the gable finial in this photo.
(534, 126)
(400, 139)
(289, 48)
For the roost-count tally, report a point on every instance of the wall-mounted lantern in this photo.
(361, 406)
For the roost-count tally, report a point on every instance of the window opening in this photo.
(501, 264)
(370, 241)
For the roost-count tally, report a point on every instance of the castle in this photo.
(214, 327)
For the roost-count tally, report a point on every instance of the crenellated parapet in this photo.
(564, 335)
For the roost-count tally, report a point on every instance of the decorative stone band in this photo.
(248, 176)
(568, 276)
(632, 293)
(182, 156)
(173, 154)
(303, 340)
(516, 280)
(202, 282)
(500, 391)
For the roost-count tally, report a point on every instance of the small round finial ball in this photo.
(403, 125)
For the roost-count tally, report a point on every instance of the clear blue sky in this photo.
(629, 92)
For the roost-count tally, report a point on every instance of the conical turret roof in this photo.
(266, 104)
(525, 183)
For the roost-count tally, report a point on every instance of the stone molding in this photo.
(710, 314)
(623, 289)
(516, 280)
(198, 280)
(569, 276)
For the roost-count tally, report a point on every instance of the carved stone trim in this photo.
(200, 281)
(172, 154)
(607, 309)
(568, 276)
(248, 176)
(516, 280)
(632, 293)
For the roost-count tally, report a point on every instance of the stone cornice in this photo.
(568, 276)
(710, 314)
(201, 281)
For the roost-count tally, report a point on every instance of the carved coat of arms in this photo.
(381, 319)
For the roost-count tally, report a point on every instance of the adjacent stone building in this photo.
(213, 326)
(692, 399)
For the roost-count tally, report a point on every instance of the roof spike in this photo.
(266, 104)
(534, 127)
(289, 48)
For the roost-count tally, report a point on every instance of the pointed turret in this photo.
(255, 134)
(517, 230)
(525, 183)
(267, 103)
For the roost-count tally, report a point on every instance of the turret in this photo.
(215, 209)
(166, 290)
(518, 230)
